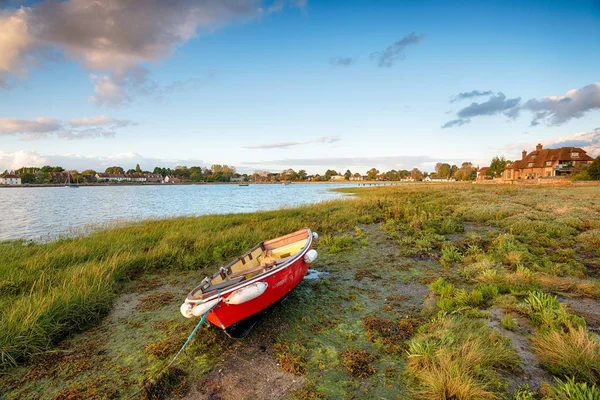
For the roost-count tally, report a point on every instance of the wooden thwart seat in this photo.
(246, 272)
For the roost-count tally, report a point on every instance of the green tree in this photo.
(372, 174)
(443, 170)
(289, 175)
(302, 175)
(138, 170)
(497, 167)
(114, 170)
(347, 175)
(594, 169)
(328, 174)
(28, 178)
(416, 174)
(130, 171)
(467, 172)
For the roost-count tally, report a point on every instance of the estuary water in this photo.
(46, 213)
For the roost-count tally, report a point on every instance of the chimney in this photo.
(538, 147)
(523, 154)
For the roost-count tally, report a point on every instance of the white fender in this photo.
(186, 310)
(311, 256)
(247, 293)
(315, 235)
(202, 308)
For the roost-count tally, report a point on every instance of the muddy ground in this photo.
(310, 346)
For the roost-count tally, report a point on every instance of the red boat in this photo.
(253, 282)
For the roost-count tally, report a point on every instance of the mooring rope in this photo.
(194, 332)
(185, 344)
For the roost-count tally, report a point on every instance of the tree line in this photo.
(226, 173)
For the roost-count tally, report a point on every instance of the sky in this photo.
(314, 85)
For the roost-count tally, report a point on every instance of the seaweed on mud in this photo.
(358, 362)
(90, 389)
(392, 334)
(164, 348)
(365, 273)
(169, 382)
(289, 358)
(155, 301)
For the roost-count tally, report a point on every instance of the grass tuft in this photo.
(575, 353)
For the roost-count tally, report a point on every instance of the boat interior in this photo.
(262, 258)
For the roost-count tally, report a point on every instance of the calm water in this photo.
(48, 212)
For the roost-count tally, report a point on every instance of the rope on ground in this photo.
(185, 344)
(193, 333)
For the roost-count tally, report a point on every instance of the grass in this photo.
(458, 358)
(509, 323)
(51, 290)
(572, 390)
(356, 333)
(575, 353)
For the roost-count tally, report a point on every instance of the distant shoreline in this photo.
(358, 183)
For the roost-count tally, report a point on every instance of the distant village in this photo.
(565, 163)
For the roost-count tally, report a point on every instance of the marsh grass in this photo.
(569, 389)
(49, 291)
(499, 245)
(575, 353)
(454, 357)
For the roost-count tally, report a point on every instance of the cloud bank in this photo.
(81, 128)
(114, 39)
(18, 159)
(551, 110)
(556, 110)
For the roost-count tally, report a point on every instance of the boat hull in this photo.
(279, 284)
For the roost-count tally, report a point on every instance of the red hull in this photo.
(280, 283)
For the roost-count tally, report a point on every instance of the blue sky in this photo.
(307, 85)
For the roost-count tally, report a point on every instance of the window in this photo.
(575, 154)
(533, 157)
(548, 163)
(530, 164)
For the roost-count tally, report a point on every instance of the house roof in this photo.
(9, 176)
(538, 158)
(103, 175)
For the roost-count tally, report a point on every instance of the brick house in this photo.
(156, 178)
(60, 177)
(547, 163)
(481, 173)
(172, 179)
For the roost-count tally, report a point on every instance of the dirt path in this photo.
(532, 373)
(249, 371)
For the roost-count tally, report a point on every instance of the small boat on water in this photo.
(236, 294)
(244, 184)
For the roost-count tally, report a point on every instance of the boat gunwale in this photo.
(278, 268)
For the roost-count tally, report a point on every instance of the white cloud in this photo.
(98, 121)
(588, 141)
(81, 128)
(111, 37)
(285, 145)
(18, 159)
(127, 160)
(11, 126)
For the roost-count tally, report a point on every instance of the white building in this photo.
(10, 179)
(112, 177)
